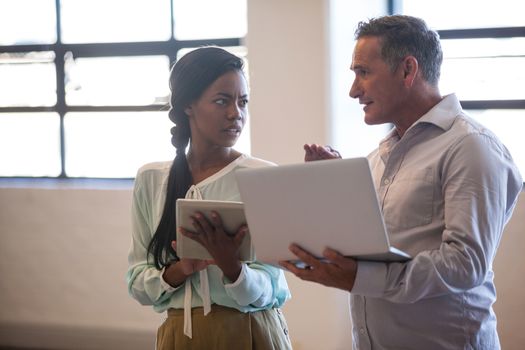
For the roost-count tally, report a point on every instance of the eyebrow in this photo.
(357, 66)
(224, 94)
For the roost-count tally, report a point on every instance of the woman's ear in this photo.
(189, 111)
(410, 68)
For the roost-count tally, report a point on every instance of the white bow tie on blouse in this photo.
(204, 292)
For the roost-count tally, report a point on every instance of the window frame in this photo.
(167, 48)
(482, 33)
(396, 6)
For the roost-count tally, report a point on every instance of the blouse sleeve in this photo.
(259, 285)
(143, 279)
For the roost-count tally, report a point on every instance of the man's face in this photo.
(380, 90)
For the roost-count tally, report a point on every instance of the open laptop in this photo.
(326, 203)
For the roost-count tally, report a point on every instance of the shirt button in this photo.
(386, 181)
(362, 330)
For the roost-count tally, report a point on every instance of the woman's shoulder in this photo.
(154, 170)
(253, 162)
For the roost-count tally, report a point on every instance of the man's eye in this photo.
(243, 102)
(220, 101)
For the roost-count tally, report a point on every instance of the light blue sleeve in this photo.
(259, 285)
(143, 279)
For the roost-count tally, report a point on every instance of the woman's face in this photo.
(218, 116)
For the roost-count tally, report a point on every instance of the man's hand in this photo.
(336, 271)
(318, 152)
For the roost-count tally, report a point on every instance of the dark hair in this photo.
(189, 77)
(405, 35)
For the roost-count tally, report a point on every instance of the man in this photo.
(446, 187)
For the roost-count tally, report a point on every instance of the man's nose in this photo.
(355, 90)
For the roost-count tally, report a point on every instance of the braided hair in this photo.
(189, 78)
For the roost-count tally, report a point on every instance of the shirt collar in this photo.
(442, 114)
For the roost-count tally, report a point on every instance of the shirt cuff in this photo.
(165, 285)
(248, 287)
(370, 279)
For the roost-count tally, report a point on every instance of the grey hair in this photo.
(403, 36)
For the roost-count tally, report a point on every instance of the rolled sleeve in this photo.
(251, 287)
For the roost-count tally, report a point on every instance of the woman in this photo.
(219, 304)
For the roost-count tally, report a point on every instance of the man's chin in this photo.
(371, 120)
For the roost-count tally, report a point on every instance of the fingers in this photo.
(318, 152)
(290, 267)
(327, 152)
(336, 258)
(333, 255)
(239, 236)
(308, 153)
(306, 257)
(333, 153)
(216, 220)
(201, 223)
(191, 235)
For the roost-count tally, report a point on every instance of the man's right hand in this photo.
(318, 152)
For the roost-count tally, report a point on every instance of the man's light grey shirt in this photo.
(447, 188)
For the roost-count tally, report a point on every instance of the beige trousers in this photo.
(225, 328)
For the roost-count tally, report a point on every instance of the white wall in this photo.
(296, 62)
(62, 265)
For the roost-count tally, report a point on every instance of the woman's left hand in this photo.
(222, 246)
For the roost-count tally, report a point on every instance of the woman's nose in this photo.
(234, 112)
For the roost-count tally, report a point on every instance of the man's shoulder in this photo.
(465, 126)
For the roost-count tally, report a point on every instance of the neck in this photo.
(422, 99)
(200, 159)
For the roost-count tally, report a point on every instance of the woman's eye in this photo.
(220, 101)
(243, 102)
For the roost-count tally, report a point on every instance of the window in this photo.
(84, 83)
(484, 60)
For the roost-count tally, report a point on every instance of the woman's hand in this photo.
(223, 247)
(177, 272)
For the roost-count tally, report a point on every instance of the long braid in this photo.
(189, 77)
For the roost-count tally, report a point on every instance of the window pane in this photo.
(114, 81)
(123, 142)
(115, 144)
(27, 22)
(484, 69)
(453, 14)
(30, 144)
(100, 21)
(27, 79)
(508, 125)
(209, 19)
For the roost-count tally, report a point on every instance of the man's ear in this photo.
(410, 68)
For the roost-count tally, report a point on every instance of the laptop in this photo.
(325, 203)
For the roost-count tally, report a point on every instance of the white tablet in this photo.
(232, 215)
